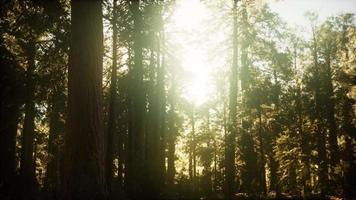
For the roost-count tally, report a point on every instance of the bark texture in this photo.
(84, 155)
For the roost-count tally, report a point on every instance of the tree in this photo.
(11, 88)
(84, 151)
(319, 131)
(136, 108)
(112, 102)
(232, 125)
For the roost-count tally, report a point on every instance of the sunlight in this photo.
(187, 24)
(198, 85)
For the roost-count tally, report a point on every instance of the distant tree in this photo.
(232, 124)
(112, 102)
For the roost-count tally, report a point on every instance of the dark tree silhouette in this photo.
(84, 151)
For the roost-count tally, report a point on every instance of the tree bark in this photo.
(84, 151)
(9, 117)
(27, 160)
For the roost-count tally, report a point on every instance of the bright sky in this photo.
(188, 25)
(185, 29)
(292, 11)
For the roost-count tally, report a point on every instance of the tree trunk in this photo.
(322, 162)
(232, 129)
(135, 164)
(9, 117)
(55, 129)
(262, 154)
(27, 168)
(112, 104)
(330, 110)
(194, 156)
(153, 153)
(275, 130)
(304, 145)
(245, 74)
(172, 133)
(162, 105)
(84, 151)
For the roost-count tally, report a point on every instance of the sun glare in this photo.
(186, 25)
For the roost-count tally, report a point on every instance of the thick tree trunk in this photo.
(135, 164)
(84, 151)
(9, 117)
(27, 168)
(11, 95)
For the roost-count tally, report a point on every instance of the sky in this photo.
(292, 11)
(192, 16)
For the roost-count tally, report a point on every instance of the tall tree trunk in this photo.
(330, 110)
(55, 127)
(162, 103)
(11, 95)
(304, 145)
(245, 73)
(349, 158)
(172, 133)
(27, 168)
(322, 162)
(232, 125)
(84, 150)
(9, 117)
(152, 133)
(135, 166)
(262, 154)
(193, 153)
(275, 130)
(112, 104)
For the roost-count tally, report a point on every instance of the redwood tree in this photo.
(84, 140)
